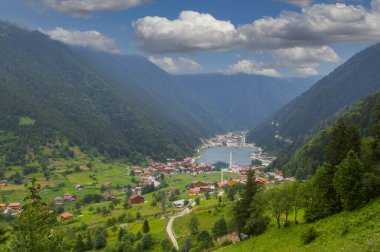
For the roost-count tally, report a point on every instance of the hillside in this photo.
(49, 91)
(346, 231)
(306, 160)
(242, 101)
(157, 88)
(305, 115)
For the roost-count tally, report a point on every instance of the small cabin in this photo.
(66, 216)
(136, 199)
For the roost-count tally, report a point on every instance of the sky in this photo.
(279, 38)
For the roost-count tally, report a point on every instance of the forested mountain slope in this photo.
(354, 80)
(156, 88)
(242, 101)
(47, 90)
(307, 159)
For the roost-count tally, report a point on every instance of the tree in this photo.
(220, 228)
(348, 181)
(287, 200)
(343, 139)
(325, 200)
(241, 211)
(88, 244)
(197, 200)
(207, 195)
(146, 241)
(258, 221)
(145, 227)
(121, 234)
(276, 204)
(36, 228)
(100, 238)
(205, 239)
(79, 245)
(193, 224)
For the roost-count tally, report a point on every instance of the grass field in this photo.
(347, 231)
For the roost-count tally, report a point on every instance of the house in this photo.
(108, 184)
(168, 170)
(58, 200)
(179, 203)
(14, 206)
(4, 183)
(66, 216)
(67, 197)
(234, 237)
(79, 187)
(261, 180)
(136, 199)
(3, 206)
(194, 191)
(137, 171)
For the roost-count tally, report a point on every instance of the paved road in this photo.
(169, 227)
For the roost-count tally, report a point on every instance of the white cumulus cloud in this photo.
(191, 32)
(316, 25)
(252, 67)
(90, 39)
(176, 65)
(85, 8)
(304, 61)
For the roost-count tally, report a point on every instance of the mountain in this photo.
(242, 101)
(157, 88)
(309, 157)
(304, 116)
(49, 91)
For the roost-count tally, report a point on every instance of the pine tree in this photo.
(348, 181)
(100, 238)
(89, 245)
(220, 228)
(79, 245)
(145, 227)
(241, 211)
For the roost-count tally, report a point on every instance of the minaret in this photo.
(230, 159)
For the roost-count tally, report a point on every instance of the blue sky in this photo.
(278, 38)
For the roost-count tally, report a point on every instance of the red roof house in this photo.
(66, 216)
(136, 199)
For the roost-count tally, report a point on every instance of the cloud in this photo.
(304, 60)
(316, 25)
(176, 65)
(89, 39)
(191, 32)
(299, 3)
(252, 67)
(85, 8)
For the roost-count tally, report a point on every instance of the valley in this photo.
(190, 126)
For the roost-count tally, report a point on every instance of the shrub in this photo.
(309, 235)
(226, 242)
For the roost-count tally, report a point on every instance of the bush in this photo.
(226, 242)
(309, 235)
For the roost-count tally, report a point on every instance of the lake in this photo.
(240, 155)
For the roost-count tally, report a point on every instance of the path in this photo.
(169, 227)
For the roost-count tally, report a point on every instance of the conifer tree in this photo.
(145, 227)
(241, 211)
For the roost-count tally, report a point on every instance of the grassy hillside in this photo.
(347, 231)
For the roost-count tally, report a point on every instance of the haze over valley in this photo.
(131, 125)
